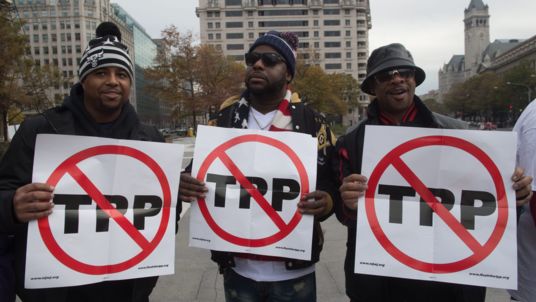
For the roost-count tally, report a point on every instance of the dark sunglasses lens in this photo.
(406, 73)
(270, 59)
(383, 77)
(252, 58)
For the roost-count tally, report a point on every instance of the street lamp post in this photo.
(529, 90)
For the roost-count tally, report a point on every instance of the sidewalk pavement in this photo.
(196, 277)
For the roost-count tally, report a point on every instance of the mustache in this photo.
(256, 75)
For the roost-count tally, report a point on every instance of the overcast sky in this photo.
(431, 29)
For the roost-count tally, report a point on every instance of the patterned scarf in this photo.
(282, 120)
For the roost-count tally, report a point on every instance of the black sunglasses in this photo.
(268, 58)
(385, 76)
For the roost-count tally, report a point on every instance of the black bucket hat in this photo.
(389, 57)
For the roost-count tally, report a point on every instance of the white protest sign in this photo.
(255, 181)
(439, 206)
(114, 213)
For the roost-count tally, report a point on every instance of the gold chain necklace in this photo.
(259, 124)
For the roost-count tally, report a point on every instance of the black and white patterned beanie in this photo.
(105, 50)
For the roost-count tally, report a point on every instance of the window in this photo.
(348, 44)
(234, 36)
(348, 65)
(44, 38)
(210, 36)
(303, 45)
(332, 33)
(36, 38)
(315, 22)
(36, 50)
(77, 36)
(233, 13)
(285, 12)
(332, 66)
(234, 24)
(233, 2)
(251, 35)
(218, 37)
(347, 22)
(288, 23)
(348, 55)
(332, 55)
(332, 44)
(332, 22)
(332, 12)
(54, 50)
(331, 1)
(45, 50)
(209, 25)
(348, 33)
(235, 46)
(250, 24)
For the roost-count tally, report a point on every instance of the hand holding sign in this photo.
(353, 187)
(522, 186)
(191, 189)
(33, 201)
(316, 203)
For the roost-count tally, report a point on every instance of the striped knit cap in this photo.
(285, 43)
(106, 50)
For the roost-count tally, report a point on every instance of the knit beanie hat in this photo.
(285, 43)
(105, 50)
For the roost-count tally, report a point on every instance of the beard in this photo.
(271, 88)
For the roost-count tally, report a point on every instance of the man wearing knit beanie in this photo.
(97, 106)
(267, 105)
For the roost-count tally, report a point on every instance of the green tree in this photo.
(327, 93)
(12, 50)
(22, 82)
(477, 98)
(191, 77)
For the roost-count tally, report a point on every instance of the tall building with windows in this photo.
(58, 31)
(335, 31)
(145, 50)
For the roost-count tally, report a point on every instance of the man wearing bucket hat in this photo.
(391, 78)
(98, 105)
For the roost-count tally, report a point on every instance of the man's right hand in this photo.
(33, 201)
(353, 186)
(190, 189)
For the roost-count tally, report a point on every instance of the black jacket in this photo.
(16, 170)
(386, 289)
(304, 120)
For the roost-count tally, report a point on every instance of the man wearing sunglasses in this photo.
(267, 104)
(391, 78)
